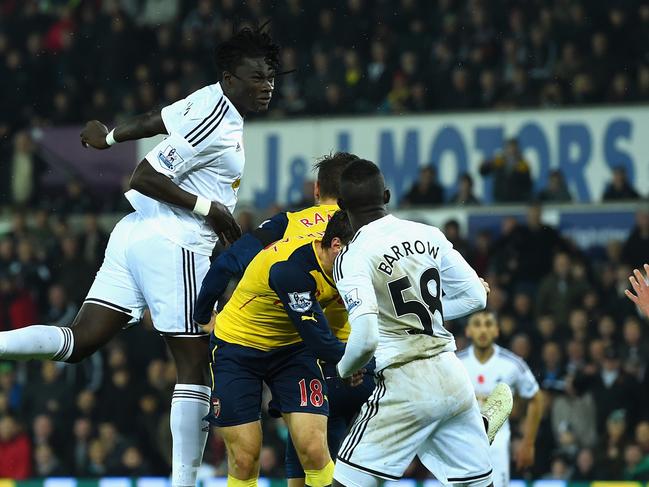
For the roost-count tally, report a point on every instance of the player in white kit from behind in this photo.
(489, 365)
(399, 281)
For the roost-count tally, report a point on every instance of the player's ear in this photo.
(386, 196)
(316, 191)
(227, 78)
(336, 244)
(341, 204)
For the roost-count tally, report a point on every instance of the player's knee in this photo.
(78, 355)
(313, 454)
(80, 350)
(243, 463)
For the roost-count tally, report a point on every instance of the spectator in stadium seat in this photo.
(556, 191)
(15, 450)
(76, 199)
(537, 244)
(79, 451)
(620, 188)
(451, 230)
(97, 459)
(642, 82)
(133, 463)
(464, 195)
(559, 291)
(585, 467)
(600, 64)
(635, 349)
(93, 240)
(636, 465)
(46, 463)
(490, 91)
(611, 447)
(61, 310)
(613, 389)
(552, 373)
(461, 95)
(377, 77)
(634, 251)
(72, 271)
(49, 395)
(559, 469)
(642, 436)
(575, 408)
(425, 191)
(620, 90)
(268, 463)
(511, 175)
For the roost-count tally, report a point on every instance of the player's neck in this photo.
(239, 106)
(327, 201)
(326, 259)
(363, 217)
(484, 354)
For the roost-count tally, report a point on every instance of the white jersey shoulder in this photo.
(203, 155)
(392, 268)
(502, 367)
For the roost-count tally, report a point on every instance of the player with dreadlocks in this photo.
(183, 193)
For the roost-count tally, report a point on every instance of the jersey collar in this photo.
(327, 277)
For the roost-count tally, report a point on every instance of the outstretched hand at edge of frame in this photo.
(641, 288)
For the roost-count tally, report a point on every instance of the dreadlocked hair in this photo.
(247, 43)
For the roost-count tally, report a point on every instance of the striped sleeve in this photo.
(192, 123)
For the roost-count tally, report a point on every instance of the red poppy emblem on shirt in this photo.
(481, 379)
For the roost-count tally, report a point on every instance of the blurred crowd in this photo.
(560, 307)
(108, 59)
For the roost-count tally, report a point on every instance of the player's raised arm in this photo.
(233, 262)
(96, 134)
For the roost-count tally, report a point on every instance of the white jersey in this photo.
(203, 155)
(399, 270)
(503, 366)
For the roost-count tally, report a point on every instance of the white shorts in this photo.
(425, 408)
(143, 269)
(499, 451)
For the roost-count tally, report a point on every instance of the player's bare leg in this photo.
(94, 326)
(295, 482)
(309, 434)
(189, 405)
(243, 445)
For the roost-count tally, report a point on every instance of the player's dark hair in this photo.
(362, 185)
(329, 168)
(339, 226)
(247, 43)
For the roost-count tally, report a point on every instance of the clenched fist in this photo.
(94, 135)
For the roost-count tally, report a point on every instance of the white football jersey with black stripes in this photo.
(502, 367)
(400, 270)
(203, 155)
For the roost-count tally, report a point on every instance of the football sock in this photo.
(320, 478)
(232, 482)
(189, 405)
(41, 342)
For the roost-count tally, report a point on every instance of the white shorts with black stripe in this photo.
(425, 408)
(143, 269)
